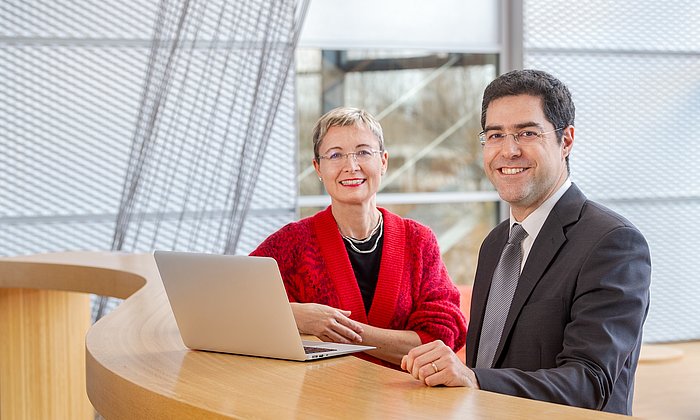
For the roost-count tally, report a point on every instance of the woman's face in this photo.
(351, 165)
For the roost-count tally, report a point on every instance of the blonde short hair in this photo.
(343, 117)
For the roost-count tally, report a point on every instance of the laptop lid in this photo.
(235, 304)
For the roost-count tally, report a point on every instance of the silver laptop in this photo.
(236, 304)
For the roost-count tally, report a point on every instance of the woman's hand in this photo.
(327, 323)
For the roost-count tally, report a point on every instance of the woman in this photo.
(355, 273)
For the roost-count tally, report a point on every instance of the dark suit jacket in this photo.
(574, 329)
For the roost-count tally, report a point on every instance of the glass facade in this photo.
(429, 105)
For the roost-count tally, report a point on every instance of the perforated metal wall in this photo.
(71, 79)
(634, 70)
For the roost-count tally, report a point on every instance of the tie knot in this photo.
(517, 234)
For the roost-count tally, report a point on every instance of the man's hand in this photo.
(436, 364)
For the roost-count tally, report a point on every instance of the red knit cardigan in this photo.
(414, 291)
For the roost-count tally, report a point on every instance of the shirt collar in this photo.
(534, 221)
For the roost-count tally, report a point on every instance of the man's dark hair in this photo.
(557, 104)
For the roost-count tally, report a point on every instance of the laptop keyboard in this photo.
(312, 350)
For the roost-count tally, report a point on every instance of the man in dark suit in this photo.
(566, 326)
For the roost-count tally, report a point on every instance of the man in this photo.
(566, 326)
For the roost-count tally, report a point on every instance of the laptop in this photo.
(236, 304)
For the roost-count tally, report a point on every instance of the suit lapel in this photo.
(549, 241)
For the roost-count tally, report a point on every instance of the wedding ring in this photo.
(434, 367)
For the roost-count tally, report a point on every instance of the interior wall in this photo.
(72, 76)
(634, 71)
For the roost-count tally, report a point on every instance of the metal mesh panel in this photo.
(72, 75)
(634, 70)
(644, 25)
(66, 124)
(74, 21)
(623, 122)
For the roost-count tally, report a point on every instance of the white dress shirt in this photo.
(534, 221)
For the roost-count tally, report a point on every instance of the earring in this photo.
(320, 179)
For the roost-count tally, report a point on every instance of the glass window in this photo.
(429, 105)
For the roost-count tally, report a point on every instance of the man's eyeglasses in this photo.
(361, 156)
(494, 138)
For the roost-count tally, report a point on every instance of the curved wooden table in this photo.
(137, 366)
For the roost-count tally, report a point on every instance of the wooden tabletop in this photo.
(667, 385)
(137, 366)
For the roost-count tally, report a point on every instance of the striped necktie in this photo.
(503, 284)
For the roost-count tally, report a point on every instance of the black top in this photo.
(366, 266)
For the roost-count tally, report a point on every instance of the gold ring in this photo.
(434, 367)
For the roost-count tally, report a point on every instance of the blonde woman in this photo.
(357, 273)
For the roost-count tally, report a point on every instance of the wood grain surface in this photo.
(138, 368)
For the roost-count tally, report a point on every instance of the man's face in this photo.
(525, 174)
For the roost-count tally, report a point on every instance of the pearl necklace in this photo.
(352, 241)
